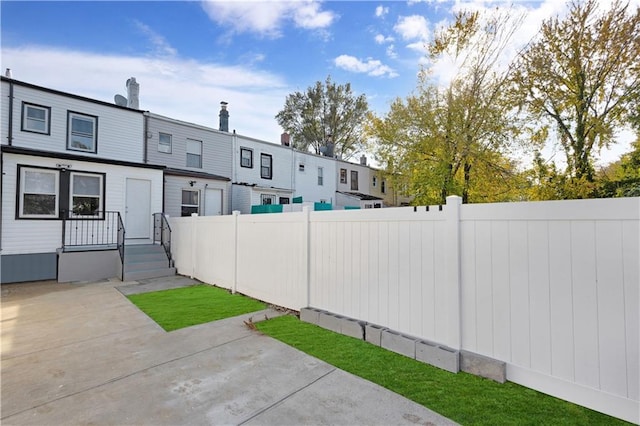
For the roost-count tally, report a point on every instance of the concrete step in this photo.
(143, 257)
(149, 273)
(144, 249)
(146, 265)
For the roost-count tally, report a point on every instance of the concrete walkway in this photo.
(82, 354)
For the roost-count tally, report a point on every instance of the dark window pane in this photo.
(39, 204)
(187, 210)
(86, 205)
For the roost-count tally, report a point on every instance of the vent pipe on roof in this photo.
(363, 160)
(7, 73)
(133, 93)
(224, 117)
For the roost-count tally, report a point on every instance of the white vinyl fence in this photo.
(551, 288)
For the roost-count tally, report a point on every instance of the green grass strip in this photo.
(462, 397)
(183, 307)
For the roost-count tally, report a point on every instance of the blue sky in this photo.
(189, 56)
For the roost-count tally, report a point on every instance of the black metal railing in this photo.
(121, 234)
(99, 231)
(162, 233)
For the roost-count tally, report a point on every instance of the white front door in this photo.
(212, 202)
(137, 222)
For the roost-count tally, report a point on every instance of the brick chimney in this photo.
(224, 117)
(285, 139)
(133, 93)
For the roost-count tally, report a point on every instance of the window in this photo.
(267, 199)
(36, 118)
(246, 157)
(343, 175)
(354, 180)
(194, 153)
(383, 186)
(86, 194)
(284, 200)
(164, 143)
(190, 202)
(39, 193)
(320, 176)
(82, 132)
(301, 167)
(266, 171)
(375, 181)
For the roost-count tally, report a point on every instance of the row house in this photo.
(198, 160)
(75, 187)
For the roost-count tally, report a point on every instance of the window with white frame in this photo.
(343, 175)
(246, 157)
(36, 118)
(190, 202)
(39, 193)
(82, 131)
(320, 176)
(164, 142)
(194, 153)
(354, 180)
(266, 199)
(86, 194)
(266, 166)
(301, 167)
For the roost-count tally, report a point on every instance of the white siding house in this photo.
(66, 158)
(261, 173)
(199, 164)
(354, 186)
(314, 177)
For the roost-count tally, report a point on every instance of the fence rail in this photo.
(550, 288)
(97, 231)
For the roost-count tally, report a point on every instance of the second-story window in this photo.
(266, 166)
(354, 180)
(383, 186)
(82, 132)
(343, 175)
(194, 153)
(246, 158)
(164, 143)
(320, 176)
(374, 182)
(36, 118)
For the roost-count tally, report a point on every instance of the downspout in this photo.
(145, 137)
(10, 124)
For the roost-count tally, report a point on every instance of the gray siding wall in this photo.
(28, 267)
(241, 196)
(173, 186)
(217, 147)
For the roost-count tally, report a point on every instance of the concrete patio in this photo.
(83, 354)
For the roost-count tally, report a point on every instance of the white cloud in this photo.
(414, 27)
(391, 51)
(372, 67)
(381, 11)
(267, 18)
(184, 89)
(380, 39)
(161, 46)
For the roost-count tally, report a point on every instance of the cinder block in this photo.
(399, 343)
(438, 356)
(310, 315)
(373, 333)
(483, 366)
(330, 321)
(353, 328)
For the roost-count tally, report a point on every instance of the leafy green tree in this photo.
(622, 178)
(579, 76)
(325, 113)
(453, 139)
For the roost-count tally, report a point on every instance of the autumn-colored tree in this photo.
(622, 178)
(453, 139)
(578, 77)
(325, 113)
